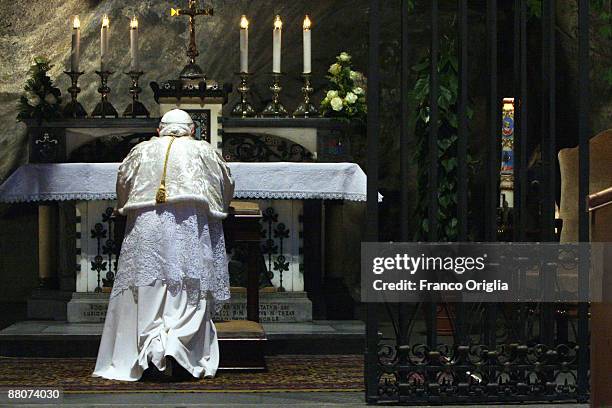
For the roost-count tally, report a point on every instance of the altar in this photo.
(85, 194)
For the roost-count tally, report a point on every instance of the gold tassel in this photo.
(162, 194)
(160, 197)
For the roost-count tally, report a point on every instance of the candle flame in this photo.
(278, 23)
(134, 23)
(76, 23)
(244, 23)
(105, 21)
(307, 22)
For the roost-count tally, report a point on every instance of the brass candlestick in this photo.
(306, 108)
(136, 108)
(243, 108)
(104, 108)
(275, 108)
(74, 109)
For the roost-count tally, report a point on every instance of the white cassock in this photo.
(172, 270)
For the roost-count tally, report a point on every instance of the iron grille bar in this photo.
(462, 204)
(433, 124)
(516, 90)
(548, 156)
(520, 141)
(430, 309)
(492, 181)
(371, 350)
(404, 154)
(548, 120)
(521, 171)
(493, 139)
(404, 137)
(462, 151)
(584, 131)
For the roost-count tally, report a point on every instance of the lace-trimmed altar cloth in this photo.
(280, 180)
(177, 244)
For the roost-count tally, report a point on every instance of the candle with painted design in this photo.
(135, 63)
(276, 44)
(244, 44)
(75, 54)
(307, 45)
(104, 44)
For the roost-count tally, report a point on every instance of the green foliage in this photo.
(346, 96)
(602, 9)
(41, 100)
(448, 124)
(534, 8)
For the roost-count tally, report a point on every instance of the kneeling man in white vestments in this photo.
(172, 272)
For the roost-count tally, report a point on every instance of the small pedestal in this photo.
(136, 108)
(275, 108)
(243, 108)
(306, 108)
(74, 109)
(104, 108)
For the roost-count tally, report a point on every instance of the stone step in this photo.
(46, 338)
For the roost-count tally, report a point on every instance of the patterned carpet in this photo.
(287, 373)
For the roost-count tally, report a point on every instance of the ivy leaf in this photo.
(450, 164)
(444, 201)
(421, 66)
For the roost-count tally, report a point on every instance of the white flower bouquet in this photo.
(41, 99)
(346, 97)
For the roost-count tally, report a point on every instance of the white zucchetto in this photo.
(177, 123)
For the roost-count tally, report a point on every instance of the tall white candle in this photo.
(75, 54)
(307, 45)
(244, 44)
(104, 43)
(135, 63)
(276, 44)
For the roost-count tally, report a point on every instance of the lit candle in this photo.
(135, 64)
(276, 44)
(75, 54)
(244, 44)
(307, 45)
(104, 42)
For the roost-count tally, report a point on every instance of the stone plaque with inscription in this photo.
(282, 307)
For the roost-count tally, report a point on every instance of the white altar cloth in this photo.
(278, 180)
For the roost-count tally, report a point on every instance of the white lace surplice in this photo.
(178, 244)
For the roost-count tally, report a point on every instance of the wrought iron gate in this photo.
(495, 352)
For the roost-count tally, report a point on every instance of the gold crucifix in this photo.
(192, 70)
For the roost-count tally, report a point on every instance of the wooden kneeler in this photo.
(242, 342)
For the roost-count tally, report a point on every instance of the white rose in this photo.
(336, 104)
(344, 57)
(334, 69)
(351, 97)
(353, 75)
(33, 99)
(331, 94)
(50, 99)
(358, 90)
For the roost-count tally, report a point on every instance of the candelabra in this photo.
(74, 109)
(104, 108)
(136, 108)
(306, 108)
(243, 108)
(275, 108)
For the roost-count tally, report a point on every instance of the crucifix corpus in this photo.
(192, 70)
